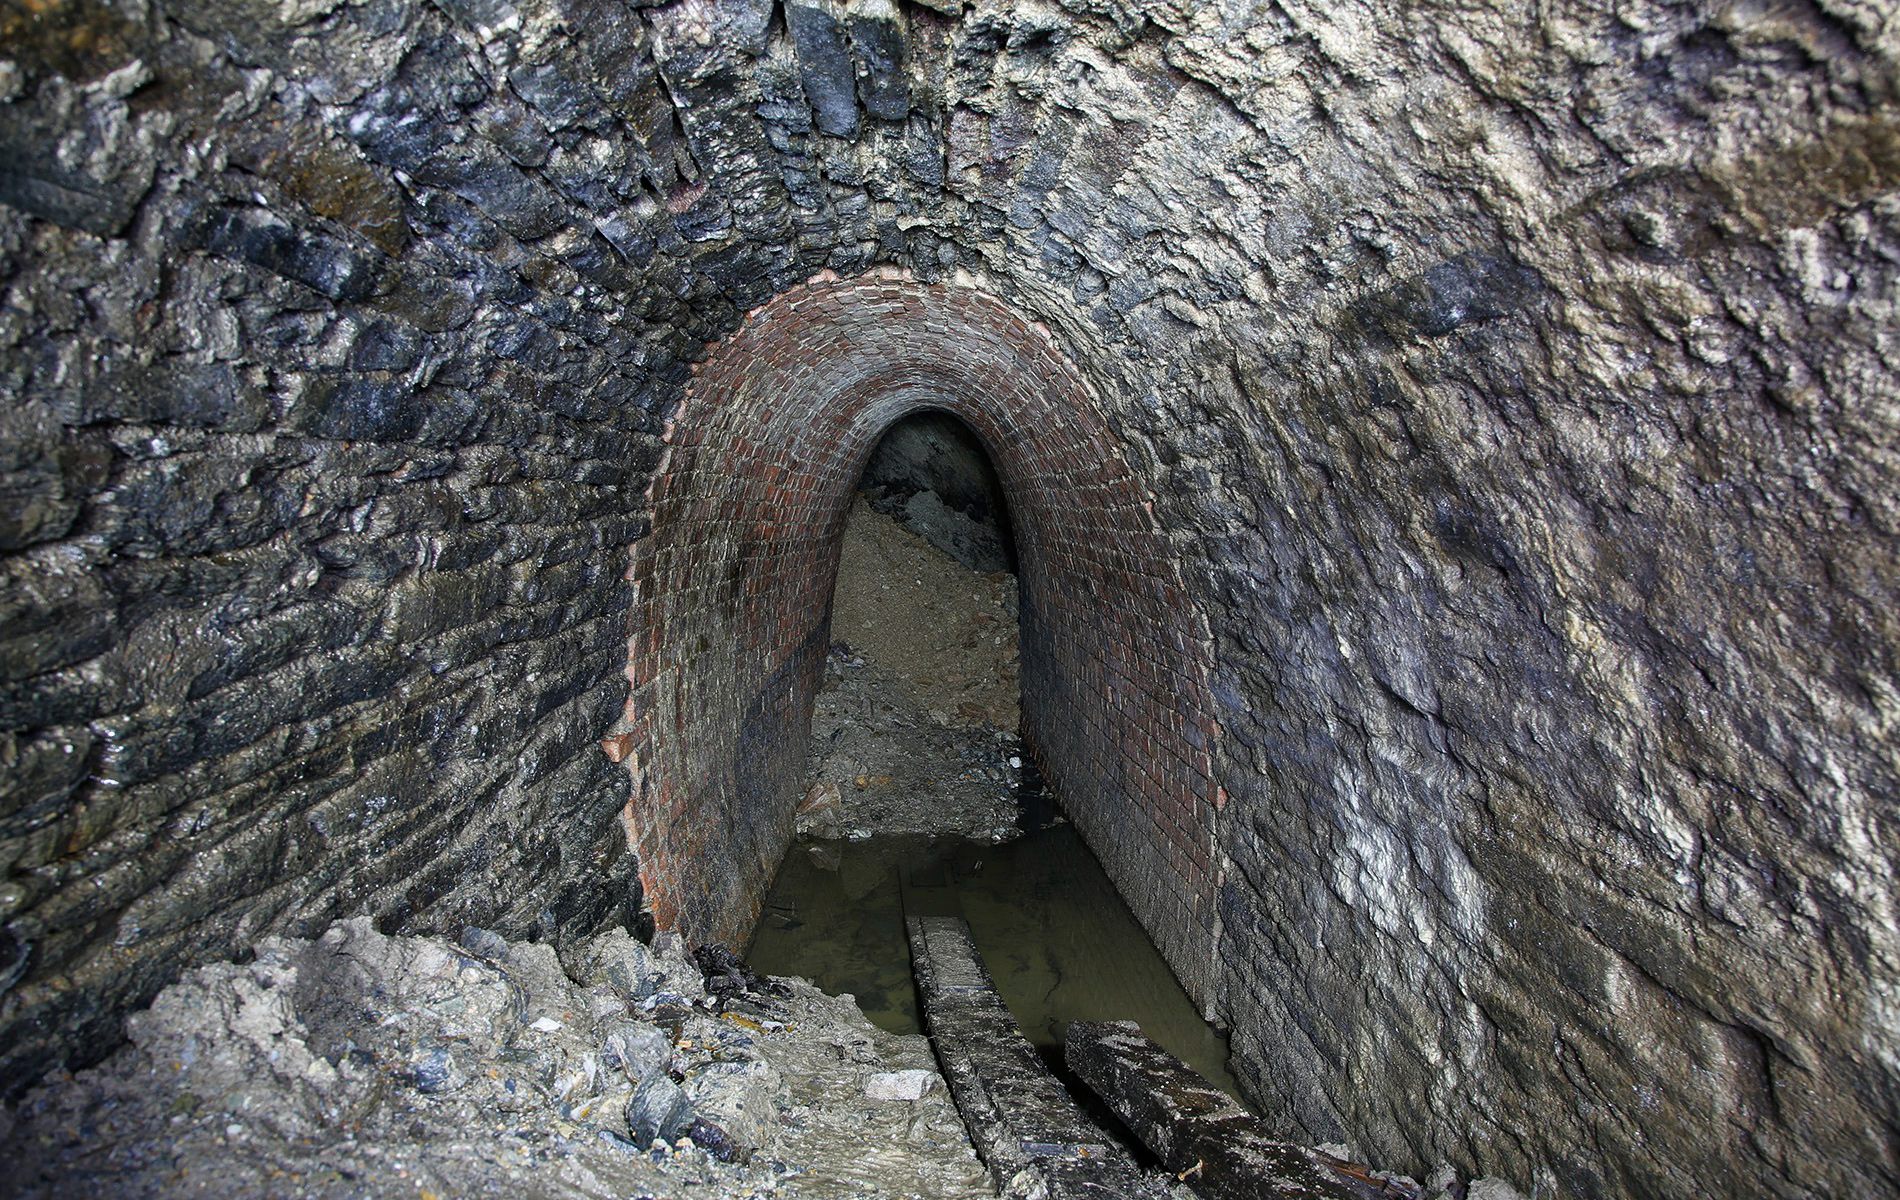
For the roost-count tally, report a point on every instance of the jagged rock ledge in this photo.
(364, 1065)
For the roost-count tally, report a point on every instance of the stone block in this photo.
(43, 770)
(658, 1110)
(174, 391)
(77, 156)
(54, 611)
(372, 406)
(320, 261)
(824, 66)
(879, 43)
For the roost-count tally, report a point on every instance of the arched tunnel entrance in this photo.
(916, 724)
(734, 578)
(921, 800)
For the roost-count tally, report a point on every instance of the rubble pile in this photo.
(363, 1065)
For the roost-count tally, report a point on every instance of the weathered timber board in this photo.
(1030, 1132)
(1197, 1131)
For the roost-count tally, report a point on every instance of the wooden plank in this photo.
(1199, 1133)
(1031, 1134)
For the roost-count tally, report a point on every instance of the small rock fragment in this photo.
(637, 1048)
(679, 972)
(898, 1085)
(739, 1097)
(433, 1071)
(484, 943)
(714, 1141)
(658, 1110)
(821, 815)
(621, 961)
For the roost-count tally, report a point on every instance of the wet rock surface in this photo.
(1514, 381)
(364, 1065)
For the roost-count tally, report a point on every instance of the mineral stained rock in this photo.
(1513, 386)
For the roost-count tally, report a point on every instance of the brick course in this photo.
(735, 586)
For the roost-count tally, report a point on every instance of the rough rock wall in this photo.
(734, 600)
(315, 450)
(1521, 379)
(1554, 569)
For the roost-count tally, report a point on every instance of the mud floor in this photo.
(359, 1065)
(920, 802)
(914, 729)
(1059, 941)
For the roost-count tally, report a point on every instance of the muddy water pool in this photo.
(1059, 941)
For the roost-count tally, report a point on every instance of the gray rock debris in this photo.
(742, 1099)
(364, 1065)
(677, 974)
(1492, 1188)
(899, 1085)
(658, 1111)
(620, 960)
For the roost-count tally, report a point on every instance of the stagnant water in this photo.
(1058, 939)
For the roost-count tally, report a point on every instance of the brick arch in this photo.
(733, 592)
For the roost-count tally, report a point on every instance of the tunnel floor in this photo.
(914, 726)
(1060, 943)
(921, 804)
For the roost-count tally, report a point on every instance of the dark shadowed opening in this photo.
(921, 800)
(931, 472)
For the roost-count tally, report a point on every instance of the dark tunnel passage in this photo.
(921, 800)
(749, 511)
(1450, 469)
(930, 470)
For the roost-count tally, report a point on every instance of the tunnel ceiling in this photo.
(1512, 387)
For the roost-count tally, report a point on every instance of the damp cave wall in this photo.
(1517, 388)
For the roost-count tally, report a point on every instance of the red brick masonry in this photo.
(733, 606)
